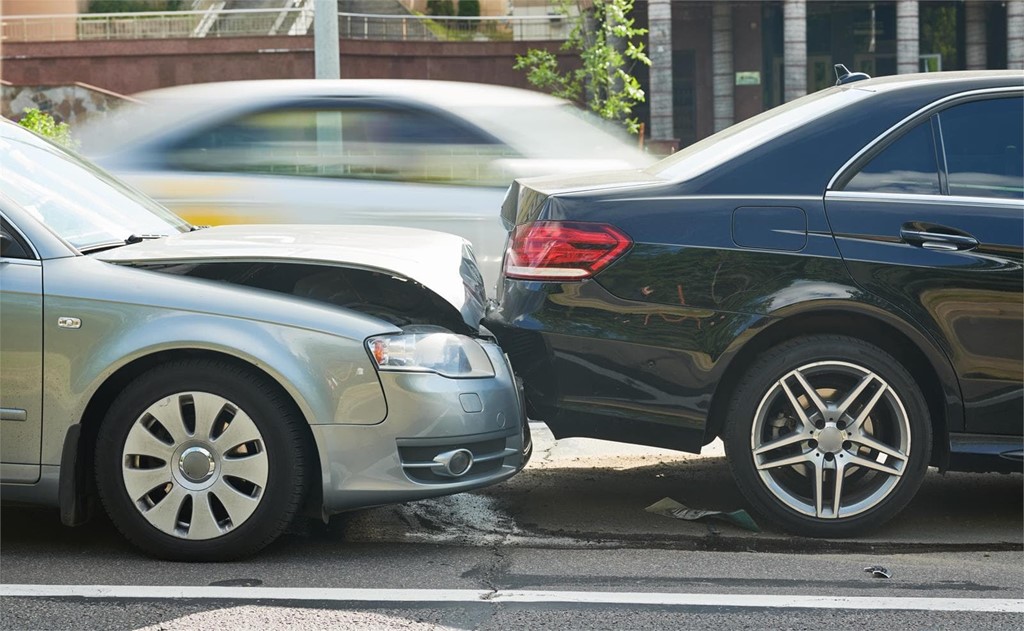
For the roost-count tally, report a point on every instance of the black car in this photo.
(833, 287)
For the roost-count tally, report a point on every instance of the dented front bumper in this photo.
(427, 416)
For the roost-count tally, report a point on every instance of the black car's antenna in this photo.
(844, 76)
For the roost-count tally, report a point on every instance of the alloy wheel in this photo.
(830, 439)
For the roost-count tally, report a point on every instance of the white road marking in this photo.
(153, 592)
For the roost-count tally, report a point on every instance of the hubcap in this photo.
(830, 439)
(195, 465)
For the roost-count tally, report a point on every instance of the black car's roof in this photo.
(994, 78)
(802, 156)
(794, 149)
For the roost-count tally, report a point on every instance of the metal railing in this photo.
(452, 28)
(156, 25)
(291, 21)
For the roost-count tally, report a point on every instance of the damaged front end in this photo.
(394, 299)
(403, 276)
(454, 416)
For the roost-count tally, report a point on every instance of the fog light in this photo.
(453, 463)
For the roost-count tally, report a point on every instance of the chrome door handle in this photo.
(938, 240)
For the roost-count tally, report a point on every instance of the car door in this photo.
(21, 357)
(932, 220)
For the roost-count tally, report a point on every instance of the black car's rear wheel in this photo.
(828, 436)
(201, 461)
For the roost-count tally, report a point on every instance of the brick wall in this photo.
(131, 66)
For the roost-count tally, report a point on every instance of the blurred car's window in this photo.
(984, 142)
(395, 126)
(353, 142)
(908, 165)
(560, 131)
(78, 202)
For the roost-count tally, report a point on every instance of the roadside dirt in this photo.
(580, 493)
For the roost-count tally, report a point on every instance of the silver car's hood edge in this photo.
(440, 262)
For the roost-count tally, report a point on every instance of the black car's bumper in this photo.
(598, 366)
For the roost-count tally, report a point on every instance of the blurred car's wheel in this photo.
(201, 460)
(828, 435)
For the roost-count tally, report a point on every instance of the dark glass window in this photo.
(11, 246)
(684, 97)
(908, 165)
(983, 145)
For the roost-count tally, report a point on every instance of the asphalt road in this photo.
(565, 545)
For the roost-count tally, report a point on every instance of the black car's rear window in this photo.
(729, 143)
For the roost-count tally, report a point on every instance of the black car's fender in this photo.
(865, 317)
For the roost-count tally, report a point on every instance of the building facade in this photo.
(62, 27)
(715, 63)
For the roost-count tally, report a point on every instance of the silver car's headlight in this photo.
(446, 354)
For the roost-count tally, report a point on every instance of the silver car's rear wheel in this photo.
(828, 435)
(195, 465)
(202, 460)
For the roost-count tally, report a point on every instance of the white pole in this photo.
(1015, 34)
(326, 57)
(723, 78)
(908, 37)
(794, 52)
(975, 35)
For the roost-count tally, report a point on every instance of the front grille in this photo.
(488, 457)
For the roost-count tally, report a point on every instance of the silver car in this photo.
(424, 154)
(210, 385)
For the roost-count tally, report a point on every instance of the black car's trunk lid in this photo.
(527, 199)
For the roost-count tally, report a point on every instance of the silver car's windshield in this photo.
(80, 203)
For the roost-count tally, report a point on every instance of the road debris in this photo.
(671, 508)
(878, 571)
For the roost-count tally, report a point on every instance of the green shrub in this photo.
(609, 47)
(132, 6)
(44, 125)
(469, 8)
(440, 7)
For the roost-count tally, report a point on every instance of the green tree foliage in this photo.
(469, 8)
(609, 47)
(440, 8)
(133, 6)
(44, 125)
(939, 33)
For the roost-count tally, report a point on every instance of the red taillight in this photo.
(563, 250)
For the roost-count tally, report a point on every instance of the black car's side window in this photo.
(984, 147)
(908, 165)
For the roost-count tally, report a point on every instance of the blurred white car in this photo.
(427, 154)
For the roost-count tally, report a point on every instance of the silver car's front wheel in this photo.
(195, 465)
(828, 435)
(201, 460)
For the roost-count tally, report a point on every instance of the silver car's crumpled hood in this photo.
(443, 263)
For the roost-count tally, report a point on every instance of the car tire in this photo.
(819, 406)
(201, 460)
